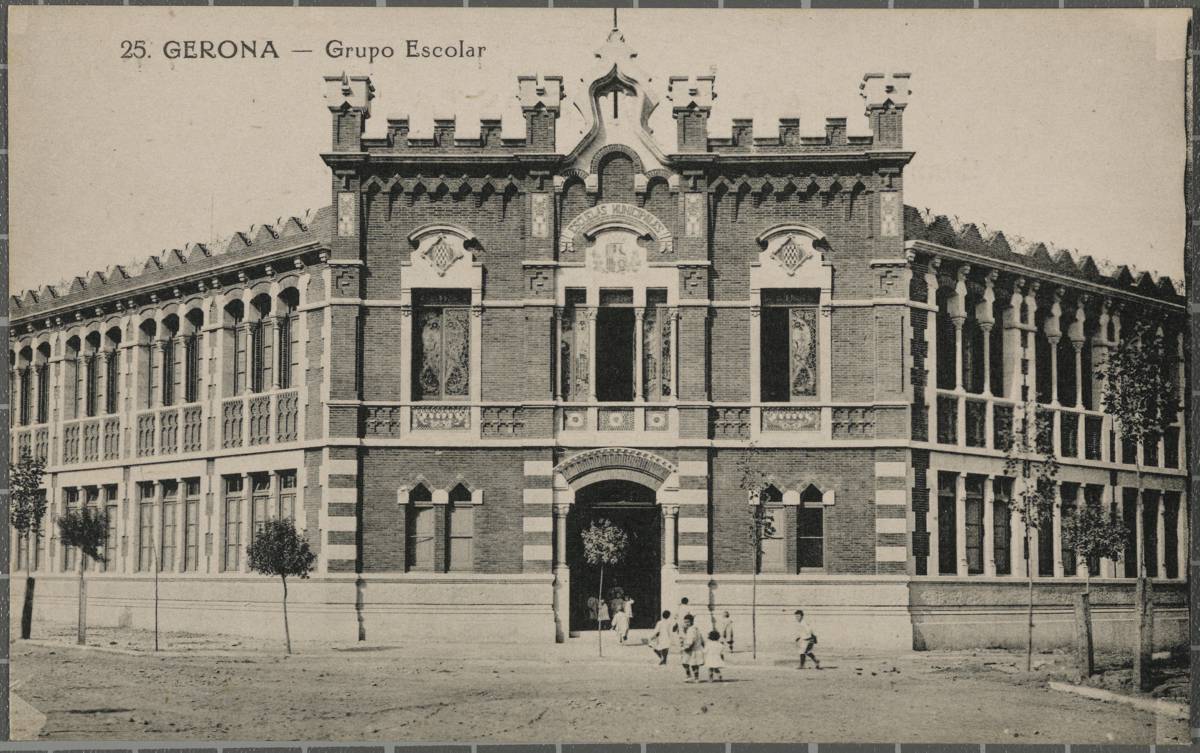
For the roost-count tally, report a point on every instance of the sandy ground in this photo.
(230, 689)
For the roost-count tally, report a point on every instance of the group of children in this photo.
(696, 651)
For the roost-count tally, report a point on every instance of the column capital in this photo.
(562, 509)
(670, 511)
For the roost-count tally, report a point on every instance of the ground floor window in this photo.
(191, 525)
(947, 524)
(1170, 502)
(1002, 525)
(419, 530)
(460, 531)
(234, 489)
(1150, 502)
(974, 524)
(1069, 501)
(1129, 516)
(810, 536)
(170, 492)
(110, 528)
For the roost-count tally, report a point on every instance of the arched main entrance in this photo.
(632, 507)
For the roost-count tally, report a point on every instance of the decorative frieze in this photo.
(231, 423)
(791, 419)
(193, 425)
(853, 423)
(574, 418)
(657, 419)
(382, 421)
(501, 421)
(441, 418)
(287, 411)
(730, 423)
(260, 420)
(615, 419)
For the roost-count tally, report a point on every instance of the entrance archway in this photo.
(632, 507)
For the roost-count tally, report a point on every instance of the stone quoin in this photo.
(483, 344)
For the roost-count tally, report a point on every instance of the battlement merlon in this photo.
(692, 99)
(886, 97)
(349, 100)
(541, 101)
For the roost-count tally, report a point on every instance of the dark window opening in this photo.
(974, 524)
(614, 354)
(947, 525)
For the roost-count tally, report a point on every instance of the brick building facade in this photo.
(483, 344)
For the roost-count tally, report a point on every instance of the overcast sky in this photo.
(1063, 127)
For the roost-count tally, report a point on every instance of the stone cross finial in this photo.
(879, 89)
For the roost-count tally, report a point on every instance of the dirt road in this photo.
(242, 691)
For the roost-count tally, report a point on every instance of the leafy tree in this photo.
(762, 527)
(1140, 393)
(27, 512)
(278, 549)
(85, 530)
(604, 544)
(1029, 459)
(1092, 534)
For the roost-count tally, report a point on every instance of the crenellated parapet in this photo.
(167, 274)
(1036, 259)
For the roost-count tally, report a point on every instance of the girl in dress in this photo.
(620, 624)
(691, 645)
(714, 656)
(664, 634)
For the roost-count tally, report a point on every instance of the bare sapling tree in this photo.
(278, 549)
(755, 483)
(604, 545)
(85, 530)
(27, 514)
(1030, 461)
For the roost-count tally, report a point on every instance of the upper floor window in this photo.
(573, 346)
(441, 345)
(788, 345)
(289, 301)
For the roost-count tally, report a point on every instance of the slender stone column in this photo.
(1016, 535)
(989, 533)
(933, 566)
(1056, 532)
(1160, 532)
(562, 573)
(960, 522)
(1140, 534)
(556, 344)
(276, 351)
(1181, 540)
(675, 360)
(639, 315)
(591, 313)
(670, 568)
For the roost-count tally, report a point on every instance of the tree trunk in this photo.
(156, 569)
(1143, 635)
(1029, 555)
(287, 634)
(599, 601)
(27, 607)
(754, 615)
(1084, 656)
(81, 627)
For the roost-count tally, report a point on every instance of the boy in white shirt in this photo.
(806, 638)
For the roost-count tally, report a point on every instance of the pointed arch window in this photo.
(810, 530)
(460, 531)
(420, 530)
(774, 548)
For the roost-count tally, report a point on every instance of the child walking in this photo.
(726, 626)
(691, 645)
(664, 633)
(806, 639)
(714, 656)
